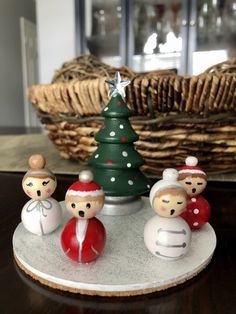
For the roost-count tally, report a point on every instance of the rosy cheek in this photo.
(28, 192)
(69, 209)
(49, 191)
(163, 209)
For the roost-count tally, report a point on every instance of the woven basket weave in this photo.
(174, 116)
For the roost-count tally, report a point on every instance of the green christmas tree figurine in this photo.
(116, 163)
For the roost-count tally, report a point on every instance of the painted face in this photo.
(194, 185)
(169, 205)
(39, 188)
(84, 207)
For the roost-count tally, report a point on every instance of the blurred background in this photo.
(37, 36)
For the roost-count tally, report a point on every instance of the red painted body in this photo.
(197, 213)
(92, 245)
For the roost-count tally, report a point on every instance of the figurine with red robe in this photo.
(83, 237)
(194, 181)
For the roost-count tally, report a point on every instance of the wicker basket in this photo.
(174, 115)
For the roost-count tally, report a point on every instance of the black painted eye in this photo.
(179, 203)
(88, 205)
(189, 183)
(199, 183)
(73, 205)
(30, 184)
(165, 201)
(45, 182)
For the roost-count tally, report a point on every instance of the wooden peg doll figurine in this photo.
(42, 214)
(83, 237)
(194, 181)
(167, 235)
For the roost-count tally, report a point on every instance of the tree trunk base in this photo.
(121, 205)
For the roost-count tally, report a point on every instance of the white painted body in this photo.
(41, 217)
(167, 238)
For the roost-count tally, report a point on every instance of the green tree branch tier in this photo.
(120, 182)
(116, 162)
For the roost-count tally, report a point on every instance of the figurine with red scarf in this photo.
(194, 181)
(83, 237)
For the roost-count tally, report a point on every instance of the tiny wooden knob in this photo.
(36, 162)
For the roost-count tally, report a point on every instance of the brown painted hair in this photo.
(30, 174)
(182, 176)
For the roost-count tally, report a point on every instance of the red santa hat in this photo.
(85, 186)
(191, 166)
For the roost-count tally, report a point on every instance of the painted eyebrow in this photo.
(165, 201)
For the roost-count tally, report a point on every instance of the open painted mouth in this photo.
(172, 212)
(193, 190)
(81, 213)
(38, 192)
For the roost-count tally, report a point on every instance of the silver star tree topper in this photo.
(117, 86)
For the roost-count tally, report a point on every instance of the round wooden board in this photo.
(125, 268)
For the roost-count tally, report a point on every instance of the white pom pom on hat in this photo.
(170, 174)
(86, 176)
(170, 180)
(191, 161)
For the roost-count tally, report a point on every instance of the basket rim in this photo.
(148, 76)
(178, 117)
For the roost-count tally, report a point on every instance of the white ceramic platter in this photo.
(125, 268)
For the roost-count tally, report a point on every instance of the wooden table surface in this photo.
(212, 291)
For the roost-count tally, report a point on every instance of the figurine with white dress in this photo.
(167, 235)
(84, 236)
(42, 214)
